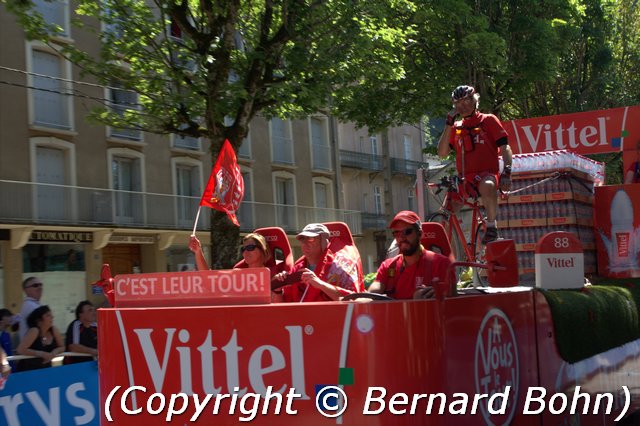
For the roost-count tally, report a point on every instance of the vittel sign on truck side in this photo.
(559, 261)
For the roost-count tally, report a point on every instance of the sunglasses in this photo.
(248, 247)
(309, 240)
(405, 232)
(35, 285)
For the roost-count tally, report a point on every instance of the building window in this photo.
(53, 172)
(54, 12)
(245, 212)
(320, 147)
(411, 199)
(53, 194)
(245, 149)
(373, 142)
(188, 175)
(180, 259)
(377, 199)
(180, 55)
(284, 186)
(113, 24)
(281, 141)
(321, 195)
(406, 143)
(122, 102)
(128, 185)
(51, 104)
(186, 142)
(323, 199)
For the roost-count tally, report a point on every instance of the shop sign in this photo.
(132, 239)
(61, 236)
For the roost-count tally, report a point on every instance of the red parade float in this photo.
(210, 348)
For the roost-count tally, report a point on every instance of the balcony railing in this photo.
(373, 221)
(407, 167)
(361, 160)
(40, 203)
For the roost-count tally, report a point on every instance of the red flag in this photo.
(225, 188)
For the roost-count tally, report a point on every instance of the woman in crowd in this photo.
(43, 340)
(255, 252)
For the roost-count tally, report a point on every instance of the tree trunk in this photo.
(225, 240)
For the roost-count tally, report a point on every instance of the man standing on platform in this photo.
(477, 139)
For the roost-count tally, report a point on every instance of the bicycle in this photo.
(470, 251)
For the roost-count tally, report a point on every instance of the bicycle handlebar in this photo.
(446, 182)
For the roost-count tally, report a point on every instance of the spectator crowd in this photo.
(33, 339)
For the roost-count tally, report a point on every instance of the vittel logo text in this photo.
(543, 137)
(178, 349)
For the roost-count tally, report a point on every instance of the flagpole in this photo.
(195, 224)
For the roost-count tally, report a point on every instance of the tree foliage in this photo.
(206, 68)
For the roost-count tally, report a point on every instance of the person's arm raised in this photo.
(196, 247)
(443, 143)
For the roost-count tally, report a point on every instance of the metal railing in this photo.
(373, 221)
(41, 203)
(361, 160)
(407, 167)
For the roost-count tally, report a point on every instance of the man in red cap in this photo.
(415, 271)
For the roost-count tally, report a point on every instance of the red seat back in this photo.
(281, 254)
(340, 237)
(434, 238)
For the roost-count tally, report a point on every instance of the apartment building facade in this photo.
(75, 195)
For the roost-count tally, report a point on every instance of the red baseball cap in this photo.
(406, 216)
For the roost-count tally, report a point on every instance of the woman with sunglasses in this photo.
(43, 341)
(255, 252)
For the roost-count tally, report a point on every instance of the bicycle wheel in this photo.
(480, 274)
(456, 245)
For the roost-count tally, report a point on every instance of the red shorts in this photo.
(471, 182)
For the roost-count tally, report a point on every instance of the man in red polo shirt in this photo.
(320, 274)
(415, 271)
(477, 139)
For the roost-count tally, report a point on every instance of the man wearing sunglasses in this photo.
(319, 275)
(476, 140)
(415, 271)
(32, 288)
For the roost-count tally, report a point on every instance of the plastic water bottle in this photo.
(622, 253)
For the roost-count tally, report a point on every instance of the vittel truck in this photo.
(489, 356)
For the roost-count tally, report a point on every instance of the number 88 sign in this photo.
(559, 261)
